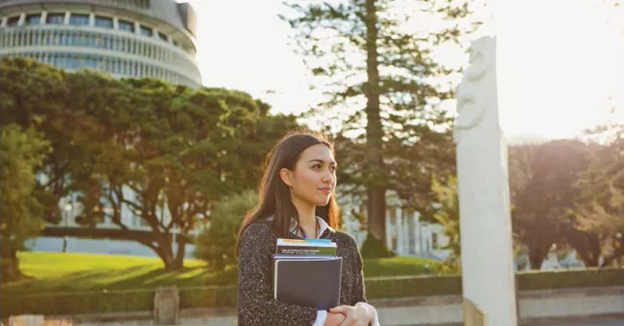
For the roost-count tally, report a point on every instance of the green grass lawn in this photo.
(72, 272)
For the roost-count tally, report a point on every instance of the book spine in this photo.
(295, 250)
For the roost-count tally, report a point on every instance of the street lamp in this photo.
(66, 209)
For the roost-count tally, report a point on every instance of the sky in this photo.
(560, 62)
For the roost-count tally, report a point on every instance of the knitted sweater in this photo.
(256, 303)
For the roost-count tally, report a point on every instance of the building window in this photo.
(33, 19)
(12, 21)
(162, 36)
(126, 26)
(104, 22)
(79, 19)
(55, 19)
(145, 31)
(434, 241)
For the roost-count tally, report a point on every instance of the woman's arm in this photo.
(256, 303)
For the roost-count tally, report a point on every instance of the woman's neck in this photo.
(306, 218)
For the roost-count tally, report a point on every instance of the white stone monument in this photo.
(483, 192)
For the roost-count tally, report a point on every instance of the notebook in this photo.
(308, 281)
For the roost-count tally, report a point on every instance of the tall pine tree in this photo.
(378, 55)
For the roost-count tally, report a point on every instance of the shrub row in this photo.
(226, 296)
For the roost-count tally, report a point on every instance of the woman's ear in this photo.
(285, 175)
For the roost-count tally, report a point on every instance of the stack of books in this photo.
(307, 273)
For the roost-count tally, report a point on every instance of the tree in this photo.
(365, 56)
(21, 152)
(544, 198)
(174, 153)
(448, 215)
(139, 151)
(599, 210)
(216, 243)
(27, 87)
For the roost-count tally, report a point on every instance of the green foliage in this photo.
(27, 87)
(544, 199)
(164, 153)
(412, 286)
(569, 193)
(572, 278)
(448, 215)
(216, 243)
(374, 248)
(78, 303)
(599, 210)
(21, 152)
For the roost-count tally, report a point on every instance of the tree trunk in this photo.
(179, 259)
(165, 252)
(376, 206)
(9, 267)
(537, 252)
(590, 250)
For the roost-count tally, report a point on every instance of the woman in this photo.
(296, 200)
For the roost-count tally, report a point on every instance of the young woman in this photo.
(296, 200)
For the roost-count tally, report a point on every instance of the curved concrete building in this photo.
(126, 38)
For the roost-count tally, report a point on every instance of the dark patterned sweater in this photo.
(256, 303)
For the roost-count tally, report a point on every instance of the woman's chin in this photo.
(323, 202)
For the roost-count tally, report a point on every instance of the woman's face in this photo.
(313, 179)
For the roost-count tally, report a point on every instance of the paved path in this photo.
(599, 323)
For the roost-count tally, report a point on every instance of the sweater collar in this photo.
(324, 229)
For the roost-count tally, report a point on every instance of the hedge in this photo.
(564, 279)
(226, 296)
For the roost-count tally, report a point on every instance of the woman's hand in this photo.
(334, 319)
(357, 315)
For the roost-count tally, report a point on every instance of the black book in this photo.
(311, 282)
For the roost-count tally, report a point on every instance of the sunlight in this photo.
(560, 62)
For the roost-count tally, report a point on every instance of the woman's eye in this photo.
(316, 166)
(333, 168)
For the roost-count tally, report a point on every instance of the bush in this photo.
(113, 301)
(215, 244)
(77, 303)
(559, 279)
(212, 296)
(374, 248)
(412, 286)
(226, 296)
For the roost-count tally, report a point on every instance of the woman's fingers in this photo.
(341, 309)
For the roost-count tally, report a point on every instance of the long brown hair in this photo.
(274, 195)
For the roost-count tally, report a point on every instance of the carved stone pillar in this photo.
(483, 191)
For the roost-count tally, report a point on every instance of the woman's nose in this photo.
(328, 176)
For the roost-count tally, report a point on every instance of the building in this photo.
(126, 38)
(406, 233)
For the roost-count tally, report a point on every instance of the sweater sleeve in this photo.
(359, 284)
(256, 305)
